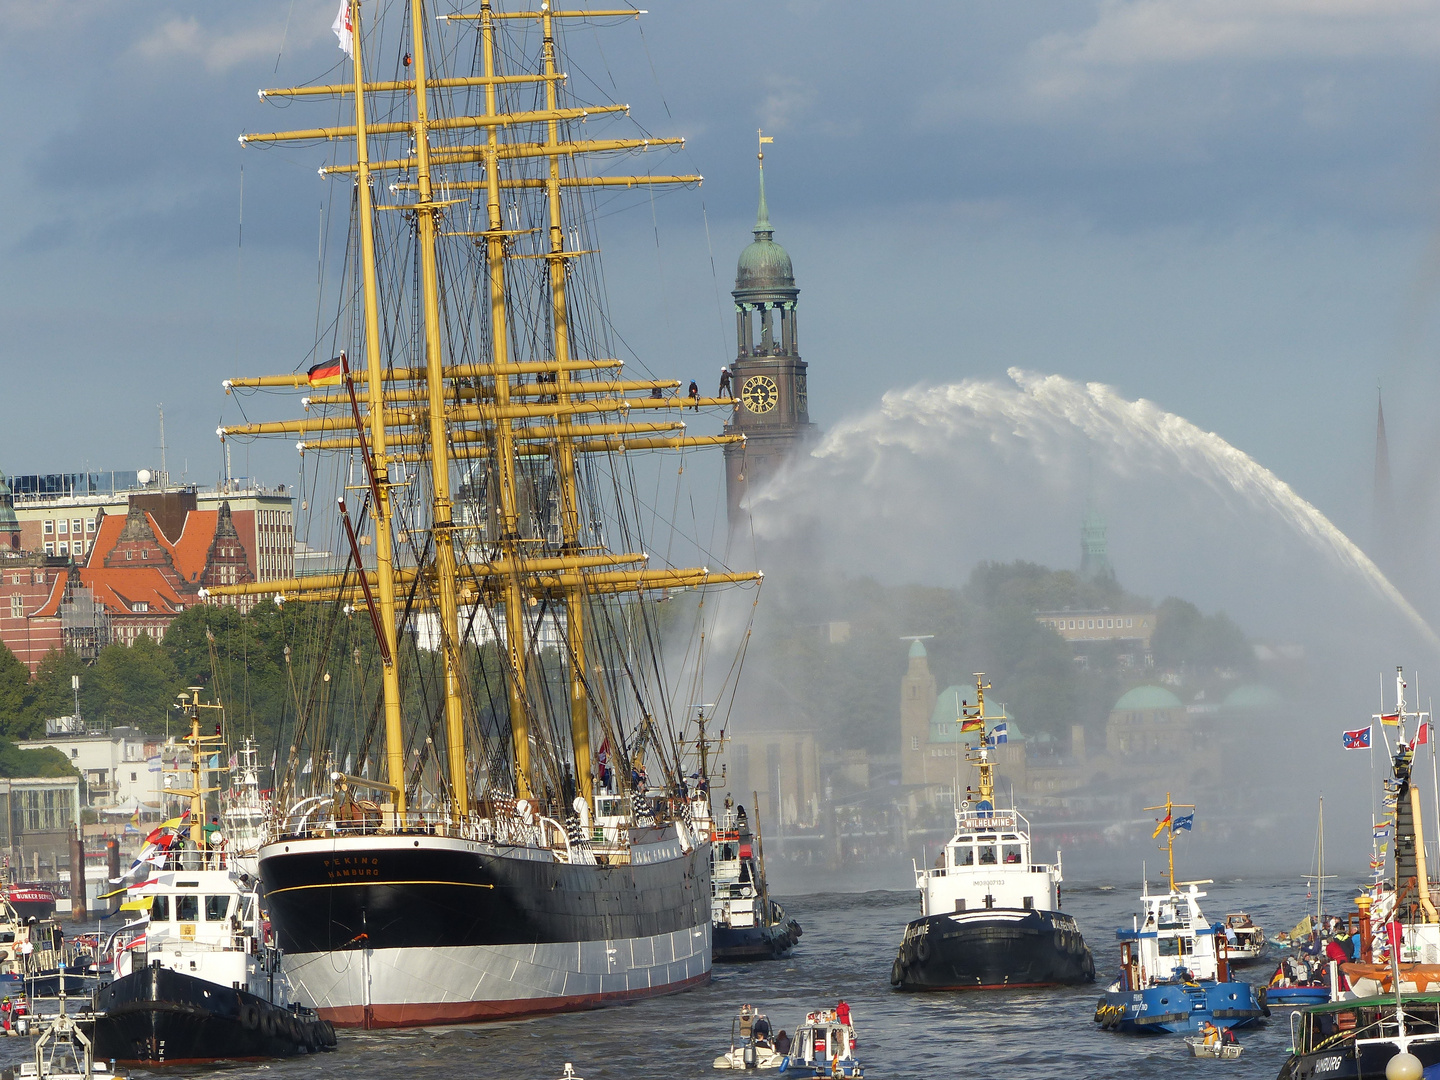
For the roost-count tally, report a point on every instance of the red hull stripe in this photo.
(995, 986)
(424, 1014)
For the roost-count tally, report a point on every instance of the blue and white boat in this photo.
(824, 1045)
(1173, 978)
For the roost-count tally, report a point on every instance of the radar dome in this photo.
(143, 476)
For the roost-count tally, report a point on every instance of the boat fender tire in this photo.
(922, 949)
(897, 972)
(295, 1029)
(327, 1032)
(1261, 995)
(250, 1016)
(268, 1023)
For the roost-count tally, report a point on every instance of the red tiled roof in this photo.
(120, 589)
(51, 607)
(190, 551)
(111, 526)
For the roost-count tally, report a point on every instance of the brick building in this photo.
(78, 576)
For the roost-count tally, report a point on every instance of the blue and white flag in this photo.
(1185, 822)
(1000, 733)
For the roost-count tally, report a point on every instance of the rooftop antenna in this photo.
(164, 468)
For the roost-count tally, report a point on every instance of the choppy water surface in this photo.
(847, 949)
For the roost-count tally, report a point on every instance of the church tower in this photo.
(917, 703)
(767, 375)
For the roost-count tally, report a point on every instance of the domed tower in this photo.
(9, 523)
(767, 375)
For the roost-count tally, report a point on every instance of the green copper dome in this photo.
(917, 650)
(1148, 697)
(764, 264)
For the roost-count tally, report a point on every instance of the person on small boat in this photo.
(761, 1030)
(782, 1043)
(842, 1013)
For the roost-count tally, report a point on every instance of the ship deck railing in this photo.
(945, 871)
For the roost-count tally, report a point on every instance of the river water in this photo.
(849, 943)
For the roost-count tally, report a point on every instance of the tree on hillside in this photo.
(51, 693)
(139, 684)
(14, 682)
(46, 761)
(1185, 639)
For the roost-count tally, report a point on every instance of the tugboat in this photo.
(194, 981)
(746, 923)
(824, 1045)
(990, 918)
(1173, 978)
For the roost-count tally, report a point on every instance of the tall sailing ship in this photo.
(511, 831)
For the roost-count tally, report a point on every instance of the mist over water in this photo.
(938, 478)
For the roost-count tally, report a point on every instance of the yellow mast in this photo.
(980, 755)
(565, 446)
(375, 383)
(500, 419)
(1168, 824)
(427, 212)
(190, 704)
(504, 458)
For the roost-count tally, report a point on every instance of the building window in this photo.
(64, 527)
(129, 555)
(74, 753)
(64, 549)
(141, 605)
(914, 742)
(90, 525)
(76, 526)
(49, 549)
(1129, 622)
(49, 527)
(132, 778)
(17, 607)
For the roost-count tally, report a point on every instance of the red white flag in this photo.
(345, 29)
(1422, 736)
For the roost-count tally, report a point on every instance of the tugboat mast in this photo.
(1168, 824)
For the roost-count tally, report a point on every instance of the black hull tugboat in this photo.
(195, 981)
(746, 923)
(990, 918)
(159, 1016)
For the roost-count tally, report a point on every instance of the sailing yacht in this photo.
(478, 859)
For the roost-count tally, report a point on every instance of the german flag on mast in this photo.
(327, 372)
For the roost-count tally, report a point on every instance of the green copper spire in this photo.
(763, 231)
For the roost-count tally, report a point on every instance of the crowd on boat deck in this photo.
(1309, 963)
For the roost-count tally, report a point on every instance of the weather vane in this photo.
(763, 140)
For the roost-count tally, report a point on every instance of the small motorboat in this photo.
(1249, 939)
(62, 1052)
(750, 1042)
(569, 1073)
(824, 1045)
(1202, 1048)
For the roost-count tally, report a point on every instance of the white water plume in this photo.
(931, 460)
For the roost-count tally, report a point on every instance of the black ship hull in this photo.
(405, 930)
(1347, 1062)
(156, 1016)
(992, 950)
(769, 942)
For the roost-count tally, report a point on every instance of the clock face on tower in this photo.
(759, 393)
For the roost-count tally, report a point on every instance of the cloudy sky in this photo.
(1226, 207)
